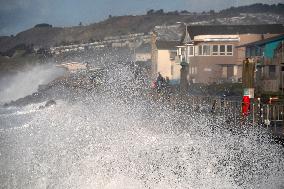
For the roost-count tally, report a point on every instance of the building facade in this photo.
(212, 55)
(165, 40)
(164, 60)
(268, 56)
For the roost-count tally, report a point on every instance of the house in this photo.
(164, 62)
(268, 56)
(211, 54)
(165, 40)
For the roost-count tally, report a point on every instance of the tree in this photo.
(212, 12)
(173, 13)
(184, 12)
(161, 11)
(149, 12)
(43, 25)
(80, 24)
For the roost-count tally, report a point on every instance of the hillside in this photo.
(44, 37)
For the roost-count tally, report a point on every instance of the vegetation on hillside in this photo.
(255, 8)
(43, 25)
(44, 35)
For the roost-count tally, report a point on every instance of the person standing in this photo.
(159, 80)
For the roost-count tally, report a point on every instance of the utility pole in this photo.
(248, 84)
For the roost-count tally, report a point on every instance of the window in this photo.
(235, 70)
(195, 70)
(179, 52)
(206, 50)
(191, 51)
(258, 51)
(172, 55)
(183, 51)
(247, 52)
(200, 50)
(252, 51)
(215, 50)
(229, 50)
(196, 50)
(224, 72)
(222, 50)
(272, 70)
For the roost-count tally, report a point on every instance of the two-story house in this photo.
(165, 40)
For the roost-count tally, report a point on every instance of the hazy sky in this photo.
(18, 15)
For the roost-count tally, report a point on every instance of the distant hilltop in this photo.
(45, 35)
(43, 25)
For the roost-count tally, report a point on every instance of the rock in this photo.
(50, 103)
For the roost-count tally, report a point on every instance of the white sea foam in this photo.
(26, 82)
(119, 139)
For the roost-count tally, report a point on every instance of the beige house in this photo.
(164, 60)
(212, 55)
(163, 52)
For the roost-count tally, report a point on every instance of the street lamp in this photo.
(187, 42)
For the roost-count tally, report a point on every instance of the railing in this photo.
(260, 114)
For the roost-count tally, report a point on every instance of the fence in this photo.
(231, 108)
(260, 114)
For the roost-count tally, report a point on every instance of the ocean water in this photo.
(117, 137)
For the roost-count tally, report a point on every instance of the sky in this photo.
(19, 15)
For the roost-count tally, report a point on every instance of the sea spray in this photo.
(27, 81)
(117, 137)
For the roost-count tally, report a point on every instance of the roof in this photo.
(167, 45)
(264, 41)
(195, 30)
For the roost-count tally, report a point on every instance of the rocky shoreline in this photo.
(60, 88)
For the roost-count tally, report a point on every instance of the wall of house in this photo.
(164, 63)
(208, 69)
(176, 71)
(267, 80)
(249, 38)
(214, 68)
(270, 85)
